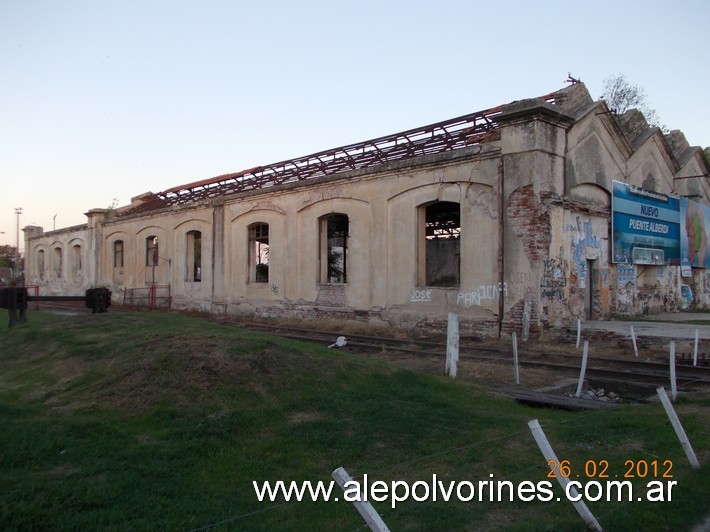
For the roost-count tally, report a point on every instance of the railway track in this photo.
(599, 368)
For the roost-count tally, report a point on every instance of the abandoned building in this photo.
(505, 216)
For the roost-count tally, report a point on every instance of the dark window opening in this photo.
(40, 263)
(194, 256)
(334, 248)
(58, 266)
(151, 251)
(118, 254)
(259, 253)
(442, 228)
(76, 260)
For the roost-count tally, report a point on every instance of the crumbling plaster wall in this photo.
(533, 137)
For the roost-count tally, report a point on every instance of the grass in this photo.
(159, 421)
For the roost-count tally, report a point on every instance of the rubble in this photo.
(599, 394)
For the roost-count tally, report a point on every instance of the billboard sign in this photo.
(694, 220)
(645, 226)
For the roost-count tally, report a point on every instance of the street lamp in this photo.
(18, 211)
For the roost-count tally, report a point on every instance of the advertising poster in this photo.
(694, 220)
(645, 226)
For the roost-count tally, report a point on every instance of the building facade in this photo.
(503, 216)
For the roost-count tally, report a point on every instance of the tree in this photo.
(7, 256)
(621, 96)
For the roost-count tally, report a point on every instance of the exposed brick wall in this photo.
(331, 295)
(530, 222)
(514, 320)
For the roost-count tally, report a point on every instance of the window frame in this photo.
(193, 256)
(333, 226)
(118, 252)
(428, 232)
(258, 253)
(58, 261)
(152, 249)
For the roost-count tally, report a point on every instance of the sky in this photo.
(102, 100)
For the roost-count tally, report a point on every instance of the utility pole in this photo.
(18, 211)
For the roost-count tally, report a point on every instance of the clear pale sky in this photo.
(108, 99)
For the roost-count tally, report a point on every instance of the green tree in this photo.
(7, 256)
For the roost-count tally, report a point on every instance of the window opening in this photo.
(118, 254)
(442, 230)
(58, 263)
(194, 256)
(259, 253)
(334, 239)
(76, 260)
(151, 251)
(40, 263)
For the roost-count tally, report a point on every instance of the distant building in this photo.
(504, 216)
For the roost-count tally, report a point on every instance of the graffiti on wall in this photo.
(418, 295)
(585, 246)
(554, 279)
(476, 297)
(626, 283)
(518, 283)
(482, 293)
(686, 296)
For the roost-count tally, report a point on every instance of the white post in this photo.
(452, 344)
(515, 358)
(583, 370)
(526, 319)
(633, 339)
(447, 365)
(579, 331)
(551, 458)
(674, 389)
(372, 518)
(695, 351)
(684, 441)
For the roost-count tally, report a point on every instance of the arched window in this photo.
(334, 231)
(118, 254)
(151, 251)
(259, 253)
(76, 260)
(440, 244)
(58, 266)
(40, 264)
(194, 256)
(649, 183)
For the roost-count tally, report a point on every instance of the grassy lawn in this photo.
(159, 421)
